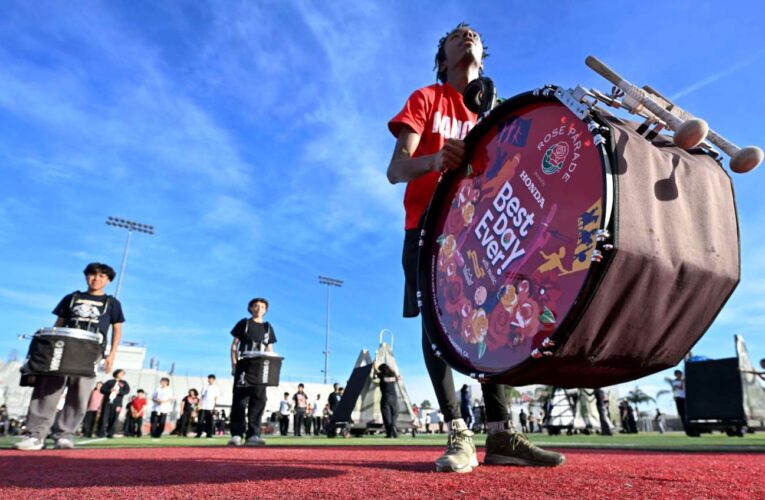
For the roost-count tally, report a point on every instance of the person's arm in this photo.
(116, 336)
(404, 168)
(234, 347)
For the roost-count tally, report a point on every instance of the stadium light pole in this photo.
(130, 226)
(330, 282)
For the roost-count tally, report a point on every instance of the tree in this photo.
(637, 396)
(512, 394)
(664, 392)
(425, 405)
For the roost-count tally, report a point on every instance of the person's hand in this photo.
(450, 156)
(108, 362)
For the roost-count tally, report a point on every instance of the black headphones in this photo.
(480, 95)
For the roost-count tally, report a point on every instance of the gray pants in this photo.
(45, 397)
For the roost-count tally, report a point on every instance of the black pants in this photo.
(138, 426)
(389, 409)
(252, 401)
(308, 422)
(284, 424)
(680, 404)
(185, 424)
(317, 427)
(440, 373)
(89, 423)
(299, 421)
(205, 423)
(157, 424)
(108, 419)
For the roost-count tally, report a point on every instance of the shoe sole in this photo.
(469, 468)
(503, 460)
(29, 448)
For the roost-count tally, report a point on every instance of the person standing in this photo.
(659, 421)
(389, 400)
(137, 409)
(466, 408)
(253, 334)
(678, 392)
(188, 405)
(308, 419)
(333, 400)
(210, 395)
(114, 391)
(522, 418)
(316, 415)
(424, 149)
(94, 311)
(284, 414)
(162, 404)
(532, 421)
(94, 408)
(300, 400)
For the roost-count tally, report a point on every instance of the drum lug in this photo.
(608, 246)
(598, 139)
(602, 235)
(597, 256)
(434, 347)
(548, 343)
(537, 354)
(572, 99)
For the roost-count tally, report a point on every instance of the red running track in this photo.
(368, 472)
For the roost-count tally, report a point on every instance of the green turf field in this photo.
(672, 441)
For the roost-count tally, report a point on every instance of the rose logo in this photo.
(554, 158)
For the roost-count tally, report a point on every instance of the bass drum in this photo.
(570, 250)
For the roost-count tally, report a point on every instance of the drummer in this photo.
(94, 311)
(429, 133)
(253, 334)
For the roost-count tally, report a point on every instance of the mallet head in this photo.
(691, 133)
(746, 159)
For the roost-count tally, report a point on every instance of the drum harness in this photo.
(261, 346)
(90, 322)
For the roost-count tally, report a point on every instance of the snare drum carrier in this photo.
(256, 366)
(570, 250)
(74, 350)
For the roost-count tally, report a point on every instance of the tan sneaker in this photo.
(460, 455)
(510, 447)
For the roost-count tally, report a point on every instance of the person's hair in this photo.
(386, 370)
(341, 389)
(678, 371)
(441, 53)
(286, 393)
(117, 371)
(141, 391)
(255, 300)
(164, 379)
(335, 385)
(301, 385)
(97, 267)
(99, 382)
(212, 376)
(194, 391)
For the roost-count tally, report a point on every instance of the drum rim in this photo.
(595, 274)
(258, 354)
(75, 333)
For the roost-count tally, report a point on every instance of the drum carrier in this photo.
(256, 366)
(574, 248)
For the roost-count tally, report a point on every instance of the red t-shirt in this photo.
(436, 113)
(138, 404)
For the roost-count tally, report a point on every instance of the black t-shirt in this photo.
(253, 336)
(93, 313)
(387, 387)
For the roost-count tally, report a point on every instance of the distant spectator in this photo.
(316, 415)
(334, 397)
(532, 421)
(466, 408)
(137, 409)
(300, 399)
(284, 414)
(210, 395)
(188, 405)
(94, 408)
(523, 420)
(113, 390)
(4, 420)
(308, 419)
(659, 420)
(162, 404)
(325, 415)
(389, 400)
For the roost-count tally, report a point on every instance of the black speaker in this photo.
(713, 390)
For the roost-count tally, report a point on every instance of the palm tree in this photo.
(637, 396)
(664, 392)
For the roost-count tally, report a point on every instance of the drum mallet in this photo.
(741, 160)
(688, 134)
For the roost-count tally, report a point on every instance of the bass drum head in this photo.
(508, 241)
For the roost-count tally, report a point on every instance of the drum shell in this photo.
(674, 264)
(260, 370)
(62, 355)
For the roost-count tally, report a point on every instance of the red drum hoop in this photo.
(517, 253)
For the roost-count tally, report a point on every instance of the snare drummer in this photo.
(94, 311)
(429, 133)
(250, 334)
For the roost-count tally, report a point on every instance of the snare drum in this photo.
(570, 250)
(64, 351)
(258, 368)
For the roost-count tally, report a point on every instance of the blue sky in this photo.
(253, 136)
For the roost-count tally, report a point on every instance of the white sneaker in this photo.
(255, 441)
(64, 444)
(29, 444)
(235, 441)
